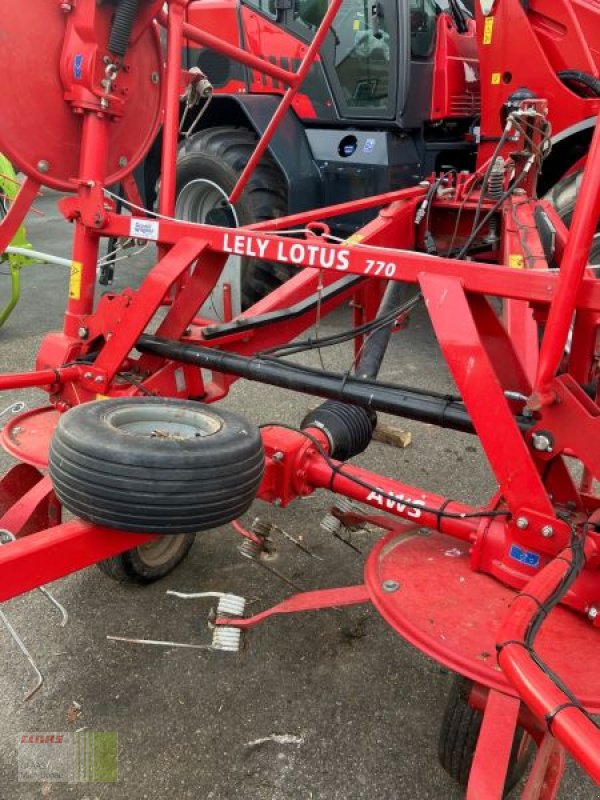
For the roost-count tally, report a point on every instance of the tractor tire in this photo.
(563, 197)
(149, 562)
(218, 156)
(458, 738)
(155, 465)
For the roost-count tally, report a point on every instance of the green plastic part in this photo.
(9, 188)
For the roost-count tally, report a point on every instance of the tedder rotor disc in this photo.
(40, 133)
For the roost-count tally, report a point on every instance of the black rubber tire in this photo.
(563, 197)
(149, 562)
(458, 738)
(219, 155)
(155, 465)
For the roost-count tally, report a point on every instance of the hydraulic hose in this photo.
(567, 721)
(376, 344)
(121, 28)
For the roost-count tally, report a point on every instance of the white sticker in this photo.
(143, 228)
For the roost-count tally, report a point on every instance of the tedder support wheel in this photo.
(149, 562)
(208, 166)
(458, 738)
(155, 465)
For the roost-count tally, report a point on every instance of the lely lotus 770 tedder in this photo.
(133, 441)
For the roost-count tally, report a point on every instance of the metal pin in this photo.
(160, 643)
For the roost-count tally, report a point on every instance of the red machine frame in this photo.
(538, 508)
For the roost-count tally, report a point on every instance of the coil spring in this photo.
(227, 639)
(495, 184)
(231, 605)
(249, 548)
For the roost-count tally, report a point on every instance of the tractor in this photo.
(394, 96)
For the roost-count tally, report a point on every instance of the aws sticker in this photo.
(75, 281)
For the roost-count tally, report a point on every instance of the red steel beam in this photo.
(44, 557)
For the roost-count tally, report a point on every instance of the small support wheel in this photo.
(149, 562)
(458, 739)
(155, 465)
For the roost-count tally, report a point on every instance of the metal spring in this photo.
(344, 505)
(330, 523)
(250, 549)
(227, 639)
(232, 605)
(260, 528)
(495, 184)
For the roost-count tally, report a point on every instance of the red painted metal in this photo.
(306, 601)
(50, 554)
(437, 586)
(546, 774)
(282, 109)
(476, 552)
(27, 436)
(577, 732)
(64, 60)
(494, 746)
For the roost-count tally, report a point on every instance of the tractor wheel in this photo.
(208, 166)
(458, 738)
(149, 562)
(155, 465)
(563, 197)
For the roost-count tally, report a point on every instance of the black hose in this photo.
(376, 344)
(122, 26)
(573, 76)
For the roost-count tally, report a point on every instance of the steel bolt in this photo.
(123, 161)
(83, 333)
(542, 442)
(88, 376)
(98, 379)
(390, 586)
(522, 523)
(43, 166)
(592, 612)
(155, 77)
(278, 456)
(547, 531)
(66, 8)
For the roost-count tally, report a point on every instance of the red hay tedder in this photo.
(134, 445)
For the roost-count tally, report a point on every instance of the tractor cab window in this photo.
(362, 52)
(268, 7)
(423, 20)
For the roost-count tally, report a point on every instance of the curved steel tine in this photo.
(27, 655)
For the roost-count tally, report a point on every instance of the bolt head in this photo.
(83, 333)
(522, 523)
(541, 442)
(547, 531)
(88, 376)
(390, 586)
(123, 161)
(43, 166)
(98, 379)
(155, 77)
(592, 613)
(278, 456)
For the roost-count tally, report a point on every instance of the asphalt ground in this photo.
(322, 706)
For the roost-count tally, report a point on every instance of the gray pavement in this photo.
(323, 706)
